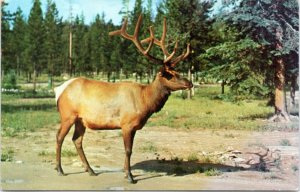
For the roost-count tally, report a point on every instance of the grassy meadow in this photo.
(20, 115)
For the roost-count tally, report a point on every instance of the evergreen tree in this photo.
(97, 35)
(275, 25)
(19, 42)
(36, 36)
(53, 29)
(237, 63)
(189, 23)
(86, 55)
(6, 39)
(65, 67)
(78, 48)
(109, 46)
(136, 60)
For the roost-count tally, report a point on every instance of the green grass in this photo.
(68, 153)
(212, 172)
(26, 115)
(7, 155)
(193, 157)
(205, 112)
(64, 153)
(148, 147)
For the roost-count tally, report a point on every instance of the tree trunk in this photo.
(293, 88)
(34, 80)
(280, 110)
(121, 74)
(190, 91)
(2, 75)
(50, 81)
(70, 52)
(223, 87)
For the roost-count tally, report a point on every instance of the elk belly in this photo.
(110, 120)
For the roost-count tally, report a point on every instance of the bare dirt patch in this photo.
(163, 158)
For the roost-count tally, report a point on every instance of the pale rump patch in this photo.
(60, 89)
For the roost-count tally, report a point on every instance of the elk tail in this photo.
(60, 89)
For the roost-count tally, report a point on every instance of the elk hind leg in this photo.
(60, 136)
(77, 139)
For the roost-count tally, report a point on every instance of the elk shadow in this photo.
(181, 168)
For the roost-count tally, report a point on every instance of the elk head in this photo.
(167, 76)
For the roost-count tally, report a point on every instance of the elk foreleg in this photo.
(128, 137)
(77, 140)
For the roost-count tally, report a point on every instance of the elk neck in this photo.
(155, 96)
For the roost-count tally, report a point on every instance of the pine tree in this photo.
(136, 60)
(275, 25)
(78, 38)
(53, 29)
(19, 42)
(6, 39)
(188, 22)
(36, 35)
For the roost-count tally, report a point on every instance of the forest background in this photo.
(249, 46)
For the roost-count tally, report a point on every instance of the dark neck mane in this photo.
(155, 96)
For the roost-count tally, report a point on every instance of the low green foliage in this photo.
(212, 172)
(7, 155)
(21, 115)
(10, 81)
(295, 168)
(203, 111)
(44, 153)
(148, 147)
(64, 153)
(68, 153)
(193, 157)
(177, 160)
(285, 142)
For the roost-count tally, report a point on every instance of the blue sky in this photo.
(89, 8)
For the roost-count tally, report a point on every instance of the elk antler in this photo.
(167, 61)
(161, 43)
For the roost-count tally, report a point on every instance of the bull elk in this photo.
(124, 105)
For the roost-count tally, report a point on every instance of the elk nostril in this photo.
(188, 84)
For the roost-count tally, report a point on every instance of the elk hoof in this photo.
(130, 179)
(92, 173)
(60, 173)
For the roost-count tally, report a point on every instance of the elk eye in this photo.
(167, 75)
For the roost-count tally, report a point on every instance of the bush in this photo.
(10, 81)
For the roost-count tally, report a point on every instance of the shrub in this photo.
(212, 172)
(7, 155)
(285, 142)
(10, 81)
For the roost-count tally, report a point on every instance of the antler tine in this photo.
(181, 57)
(163, 38)
(161, 44)
(135, 39)
(167, 61)
(120, 31)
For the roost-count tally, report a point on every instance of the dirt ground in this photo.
(163, 159)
